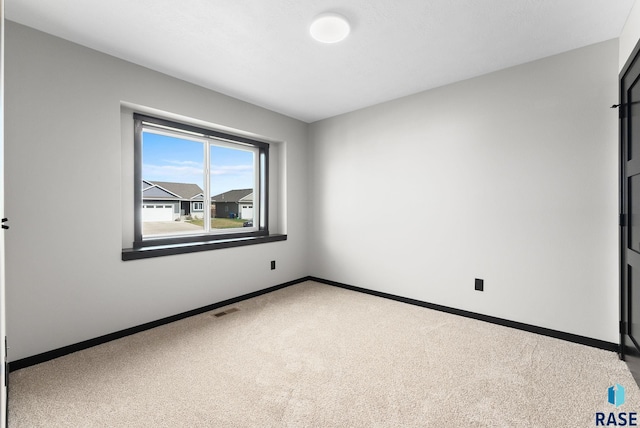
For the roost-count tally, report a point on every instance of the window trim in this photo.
(194, 247)
(262, 229)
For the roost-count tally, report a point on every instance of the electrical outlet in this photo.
(479, 284)
(273, 264)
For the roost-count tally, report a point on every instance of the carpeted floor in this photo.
(313, 355)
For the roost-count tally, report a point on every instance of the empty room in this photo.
(320, 214)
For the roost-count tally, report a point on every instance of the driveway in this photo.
(166, 227)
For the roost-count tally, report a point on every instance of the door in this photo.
(630, 214)
(3, 339)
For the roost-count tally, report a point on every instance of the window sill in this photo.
(193, 247)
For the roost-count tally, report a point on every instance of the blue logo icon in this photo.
(616, 395)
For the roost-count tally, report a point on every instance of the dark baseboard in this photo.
(588, 341)
(50, 355)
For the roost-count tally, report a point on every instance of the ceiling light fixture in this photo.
(330, 28)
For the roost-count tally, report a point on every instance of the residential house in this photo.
(167, 201)
(236, 203)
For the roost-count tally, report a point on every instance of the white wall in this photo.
(66, 195)
(510, 177)
(630, 34)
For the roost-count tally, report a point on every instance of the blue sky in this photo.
(173, 159)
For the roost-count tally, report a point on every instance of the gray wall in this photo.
(511, 177)
(630, 34)
(65, 279)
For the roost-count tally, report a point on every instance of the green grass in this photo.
(220, 223)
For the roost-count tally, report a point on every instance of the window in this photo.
(176, 163)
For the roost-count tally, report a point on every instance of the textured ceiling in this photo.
(260, 51)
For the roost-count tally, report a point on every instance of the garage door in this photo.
(246, 212)
(157, 213)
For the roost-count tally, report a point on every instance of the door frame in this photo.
(4, 374)
(624, 222)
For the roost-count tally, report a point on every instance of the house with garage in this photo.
(236, 203)
(167, 201)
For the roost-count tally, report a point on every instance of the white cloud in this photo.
(184, 163)
(181, 174)
(231, 169)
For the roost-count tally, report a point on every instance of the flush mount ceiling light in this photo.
(330, 28)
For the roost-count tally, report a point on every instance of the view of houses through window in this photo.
(194, 184)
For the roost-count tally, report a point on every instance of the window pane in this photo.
(232, 182)
(195, 182)
(172, 171)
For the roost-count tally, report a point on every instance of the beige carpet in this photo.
(313, 355)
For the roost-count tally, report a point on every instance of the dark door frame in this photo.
(628, 353)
